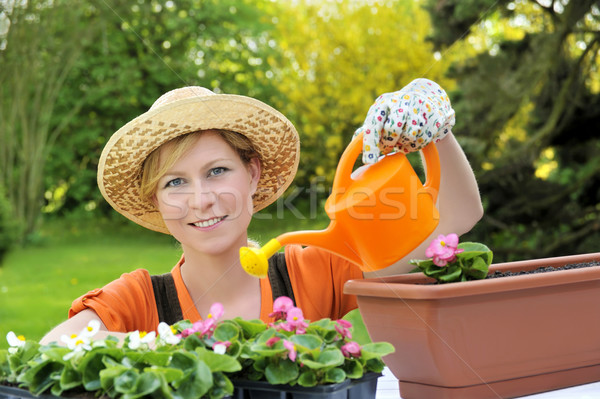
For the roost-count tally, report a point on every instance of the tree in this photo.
(338, 57)
(73, 73)
(527, 106)
(40, 50)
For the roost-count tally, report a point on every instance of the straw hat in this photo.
(187, 110)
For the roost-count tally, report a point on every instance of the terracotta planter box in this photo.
(493, 338)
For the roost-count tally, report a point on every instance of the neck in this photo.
(220, 278)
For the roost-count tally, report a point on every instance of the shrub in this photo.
(9, 225)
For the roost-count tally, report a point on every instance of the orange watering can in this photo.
(377, 217)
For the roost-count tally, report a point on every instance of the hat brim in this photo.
(272, 134)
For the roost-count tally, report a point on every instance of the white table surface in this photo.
(387, 388)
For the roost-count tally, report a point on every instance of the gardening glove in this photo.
(406, 120)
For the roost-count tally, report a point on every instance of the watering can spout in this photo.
(255, 260)
(377, 216)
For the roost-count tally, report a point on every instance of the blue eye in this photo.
(217, 171)
(174, 183)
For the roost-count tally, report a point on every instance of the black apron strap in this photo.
(279, 277)
(167, 302)
(165, 296)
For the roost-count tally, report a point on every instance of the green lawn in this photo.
(39, 282)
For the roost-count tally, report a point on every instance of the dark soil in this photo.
(544, 270)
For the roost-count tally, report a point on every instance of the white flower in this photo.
(167, 334)
(92, 328)
(81, 341)
(14, 341)
(220, 348)
(77, 343)
(136, 339)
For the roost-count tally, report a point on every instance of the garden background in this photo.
(522, 76)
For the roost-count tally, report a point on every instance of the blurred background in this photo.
(522, 75)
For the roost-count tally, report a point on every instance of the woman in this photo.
(197, 165)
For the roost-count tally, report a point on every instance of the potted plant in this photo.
(212, 358)
(490, 338)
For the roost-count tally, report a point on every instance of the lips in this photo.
(208, 222)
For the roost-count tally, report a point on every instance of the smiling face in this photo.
(205, 197)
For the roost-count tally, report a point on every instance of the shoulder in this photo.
(115, 301)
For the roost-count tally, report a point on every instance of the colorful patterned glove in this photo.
(406, 120)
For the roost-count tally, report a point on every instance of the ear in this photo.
(254, 169)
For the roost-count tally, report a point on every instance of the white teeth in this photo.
(208, 223)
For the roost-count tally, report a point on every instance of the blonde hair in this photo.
(153, 170)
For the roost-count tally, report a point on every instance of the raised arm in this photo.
(459, 203)
(407, 121)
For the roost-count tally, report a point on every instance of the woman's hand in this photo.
(406, 120)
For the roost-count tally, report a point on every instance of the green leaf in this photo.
(282, 372)
(453, 273)
(331, 357)
(359, 330)
(197, 383)
(353, 368)
(218, 362)
(154, 358)
(376, 350)
(306, 342)
(126, 381)
(170, 374)
(182, 360)
(41, 376)
(146, 384)
(307, 378)
(251, 328)
(108, 375)
(374, 365)
(334, 376)
(69, 378)
(226, 331)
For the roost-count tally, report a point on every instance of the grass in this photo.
(69, 258)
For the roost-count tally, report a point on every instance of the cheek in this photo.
(173, 205)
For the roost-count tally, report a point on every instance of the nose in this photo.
(202, 197)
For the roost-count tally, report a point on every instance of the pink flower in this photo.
(291, 349)
(295, 321)
(280, 307)
(216, 311)
(343, 327)
(206, 327)
(443, 249)
(351, 349)
(271, 341)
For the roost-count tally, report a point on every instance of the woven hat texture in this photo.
(186, 110)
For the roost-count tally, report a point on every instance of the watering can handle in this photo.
(343, 172)
(342, 177)
(432, 161)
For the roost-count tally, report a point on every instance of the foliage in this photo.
(527, 112)
(39, 52)
(193, 360)
(9, 227)
(452, 262)
(338, 56)
(113, 63)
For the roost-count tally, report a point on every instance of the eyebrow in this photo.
(208, 165)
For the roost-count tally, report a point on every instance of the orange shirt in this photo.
(317, 277)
